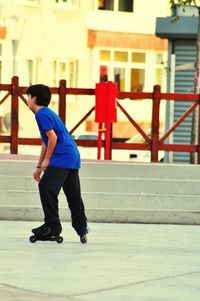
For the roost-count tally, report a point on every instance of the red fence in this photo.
(153, 144)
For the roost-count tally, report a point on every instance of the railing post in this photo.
(155, 123)
(62, 100)
(14, 115)
(108, 141)
(99, 141)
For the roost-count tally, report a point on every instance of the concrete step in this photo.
(184, 217)
(112, 169)
(112, 192)
(117, 185)
(104, 200)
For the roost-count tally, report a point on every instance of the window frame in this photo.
(112, 65)
(71, 78)
(115, 7)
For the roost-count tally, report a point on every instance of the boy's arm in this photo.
(37, 172)
(42, 154)
(52, 140)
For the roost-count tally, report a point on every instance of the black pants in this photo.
(50, 184)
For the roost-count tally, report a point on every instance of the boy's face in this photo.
(31, 102)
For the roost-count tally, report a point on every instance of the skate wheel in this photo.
(59, 239)
(32, 239)
(83, 239)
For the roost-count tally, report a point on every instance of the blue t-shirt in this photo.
(65, 154)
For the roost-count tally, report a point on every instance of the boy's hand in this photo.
(36, 174)
(44, 164)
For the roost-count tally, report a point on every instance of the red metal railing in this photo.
(156, 143)
(153, 144)
(16, 92)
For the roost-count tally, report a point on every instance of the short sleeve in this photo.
(44, 121)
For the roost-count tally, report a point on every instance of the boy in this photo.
(59, 161)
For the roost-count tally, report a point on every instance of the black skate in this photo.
(45, 233)
(83, 237)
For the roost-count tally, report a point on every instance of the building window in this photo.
(67, 3)
(137, 80)
(72, 74)
(158, 77)
(55, 71)
(64, 70)
(138, 57)
(106, 4)
(121, 56)
(27, 69)
(105, 55)
(116, 5)
(133, 70)
(119, 78)
(30, 64)
(126, 6)
(103, 73)
(58, 71)
(38, 70)
(159, 58)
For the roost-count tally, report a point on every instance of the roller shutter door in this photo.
(185, 51)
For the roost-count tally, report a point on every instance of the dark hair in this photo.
(42, 94)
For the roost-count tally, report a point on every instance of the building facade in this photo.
(85, 42)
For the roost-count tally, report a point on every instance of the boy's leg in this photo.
(72, 191)
(49, 188)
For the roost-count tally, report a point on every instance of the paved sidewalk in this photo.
(121, 262)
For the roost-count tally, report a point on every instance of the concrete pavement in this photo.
(121, 262)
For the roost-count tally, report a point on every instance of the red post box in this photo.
(106, 113)
(106, 102)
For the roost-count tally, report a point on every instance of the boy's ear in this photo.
(35, 99)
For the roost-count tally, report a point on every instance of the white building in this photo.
(84, 41)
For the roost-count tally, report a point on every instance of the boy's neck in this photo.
(37, 108)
